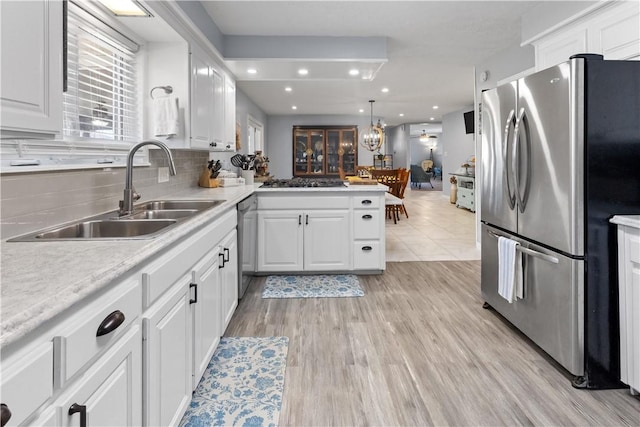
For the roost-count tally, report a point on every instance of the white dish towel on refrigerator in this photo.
(165, 116)
(510, 284)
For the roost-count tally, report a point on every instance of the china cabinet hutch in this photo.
(323, 150)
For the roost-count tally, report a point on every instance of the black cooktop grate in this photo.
(303, 182)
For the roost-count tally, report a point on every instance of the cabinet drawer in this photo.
(80, 341)
(366, 255)
(27, 382)
(465, 192)
(366, 224)
(372, 201)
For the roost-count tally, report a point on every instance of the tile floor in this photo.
(435, 231)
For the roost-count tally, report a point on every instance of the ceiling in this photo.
(431, 50)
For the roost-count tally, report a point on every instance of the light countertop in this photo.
(39, 280)
(628, 220)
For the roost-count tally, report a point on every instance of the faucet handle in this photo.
(136, 195)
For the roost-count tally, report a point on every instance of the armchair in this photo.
(418, 176)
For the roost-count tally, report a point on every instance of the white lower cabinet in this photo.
(167, 362)
(109, 393)
(629, 299)
(183, 325)
(312, 240)
(206, 308)
(228, 264)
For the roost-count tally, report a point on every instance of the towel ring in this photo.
(167, 90)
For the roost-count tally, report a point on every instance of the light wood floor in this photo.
(418, 350)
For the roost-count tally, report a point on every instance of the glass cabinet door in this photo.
(333, 152)
(308, 152)
(316, 154)
(349, 145)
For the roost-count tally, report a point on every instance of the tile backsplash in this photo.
(31, 201)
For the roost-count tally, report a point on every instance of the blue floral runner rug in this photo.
(312, 286)
(243, 384)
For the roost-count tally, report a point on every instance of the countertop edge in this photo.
(627, 220)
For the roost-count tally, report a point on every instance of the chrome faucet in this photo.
(126, 205)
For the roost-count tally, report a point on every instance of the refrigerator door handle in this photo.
(511, 196)
(522, 124)
(528, 251)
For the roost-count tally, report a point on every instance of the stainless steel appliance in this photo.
(560, 156)
(247, 234)
(303, 182)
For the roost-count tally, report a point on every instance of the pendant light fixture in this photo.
(373, 137)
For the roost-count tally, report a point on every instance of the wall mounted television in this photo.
(468, 122)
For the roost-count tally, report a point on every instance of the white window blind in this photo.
(101, 99)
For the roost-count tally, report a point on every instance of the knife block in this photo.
(206, 181)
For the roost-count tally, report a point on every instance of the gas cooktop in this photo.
(303, 182)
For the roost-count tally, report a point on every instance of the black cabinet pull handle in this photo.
(83, 413)
(222, 264)
(367, 216)
(5, 414)
(306, 221)
(299, 219)
(195, 296)
(367, 248)
(213, 144)
(366, 202)
(226, 257)
(110, 323)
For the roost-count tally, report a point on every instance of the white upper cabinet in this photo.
(229, 113)
(612, 30)
(212, 104)
(31, 58)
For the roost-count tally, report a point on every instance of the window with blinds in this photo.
(101, 99)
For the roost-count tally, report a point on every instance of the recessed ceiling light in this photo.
(385, 89)
(435, 107)
(125, 8)
(303, 71)
(252, 71)
(401, 114)
(431, 118)
(293, 107)
(288, 89)
(354, 72)
(361, 110)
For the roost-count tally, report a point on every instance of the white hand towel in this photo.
(165, 116)
(509, 270)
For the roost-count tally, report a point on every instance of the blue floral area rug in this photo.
(313, 286)
(243, 384)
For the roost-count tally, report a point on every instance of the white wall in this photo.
(457, 145)
(279, 140)
(398, 145)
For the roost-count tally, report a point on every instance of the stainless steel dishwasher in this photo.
(247, 234)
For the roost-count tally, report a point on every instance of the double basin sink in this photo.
(147, 220)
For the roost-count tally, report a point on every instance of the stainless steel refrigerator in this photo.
(560, 156)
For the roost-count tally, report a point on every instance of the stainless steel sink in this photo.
(147, 220)
(102, 229)
(162, 214)
(177, 205)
